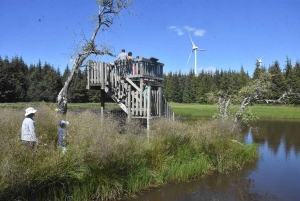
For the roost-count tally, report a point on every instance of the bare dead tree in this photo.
(223, 107)
(242, 108)
(108, 10)
(254, 92)
(280, 100)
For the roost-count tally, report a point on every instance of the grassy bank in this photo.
(108, 160)
(195, 111)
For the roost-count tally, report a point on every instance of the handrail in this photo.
(140, 68)
(122, 88)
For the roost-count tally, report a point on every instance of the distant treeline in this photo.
(41, 82)
(188, 88)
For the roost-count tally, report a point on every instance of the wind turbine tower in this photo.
(195, 49)
(258, 61)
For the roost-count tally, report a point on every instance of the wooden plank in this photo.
(140, 94)
(101, 75)
(159, 101)
(133, 84)
(135, 104)
(99, 72)
(145, 104)
(102, 103)
(148, 114)
(155, 84)
(106, 74)
(88, 75)
(116, 99)
(129, 102)
(92, 73)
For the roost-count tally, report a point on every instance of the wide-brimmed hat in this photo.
(29, 111)
(63, 122)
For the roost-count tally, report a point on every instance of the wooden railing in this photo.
(116, 81)
(140, 67)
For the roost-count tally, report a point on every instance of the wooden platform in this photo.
(123, 82)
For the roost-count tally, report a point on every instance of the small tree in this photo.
(108, 10)
(254, 91)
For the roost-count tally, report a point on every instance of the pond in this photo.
(274, 176)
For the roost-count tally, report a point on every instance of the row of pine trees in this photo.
(188, 88)
(42, 82)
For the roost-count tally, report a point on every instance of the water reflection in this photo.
(274, 176)
(278, 170)
(278, 134)
(226, 187)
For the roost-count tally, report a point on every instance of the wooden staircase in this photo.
(123, 82)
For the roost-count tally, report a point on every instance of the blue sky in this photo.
(231, 31)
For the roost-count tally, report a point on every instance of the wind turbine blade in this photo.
(262, 58)
(255, 57)
(192, 41)
(189, 58)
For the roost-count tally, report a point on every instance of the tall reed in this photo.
(106, 159)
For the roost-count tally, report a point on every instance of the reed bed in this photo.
(109, 158)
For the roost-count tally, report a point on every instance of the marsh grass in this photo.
(106, 159)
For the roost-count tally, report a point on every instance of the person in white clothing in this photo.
(28, 135)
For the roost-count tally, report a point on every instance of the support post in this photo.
(129, 103)
(88, 74)
(102, 74)
(141, 98)
(159, 101)
(148, 112)
(102, 103)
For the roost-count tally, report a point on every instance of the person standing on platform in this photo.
(119, 63)
(130, 63)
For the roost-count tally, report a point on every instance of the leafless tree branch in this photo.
(107, 11)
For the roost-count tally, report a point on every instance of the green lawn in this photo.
(262, 111)
(193, 110)
(190, 111)
(276, 112)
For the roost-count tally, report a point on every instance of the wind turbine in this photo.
(194, 48)
(259, 61)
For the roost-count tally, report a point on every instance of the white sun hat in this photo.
(29, 110)
(61, 123)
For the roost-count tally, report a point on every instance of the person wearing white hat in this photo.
(62, 135)
(28, 135)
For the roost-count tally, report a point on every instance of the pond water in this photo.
(274, 176)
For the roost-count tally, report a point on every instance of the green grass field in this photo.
(190, 111)
(262, 111)
(276, 112)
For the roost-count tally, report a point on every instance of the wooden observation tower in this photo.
(123, 81)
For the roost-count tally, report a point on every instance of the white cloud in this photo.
(173, 27)
(188, 28)
(199, 32)
(177, 30)
(195, 31)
